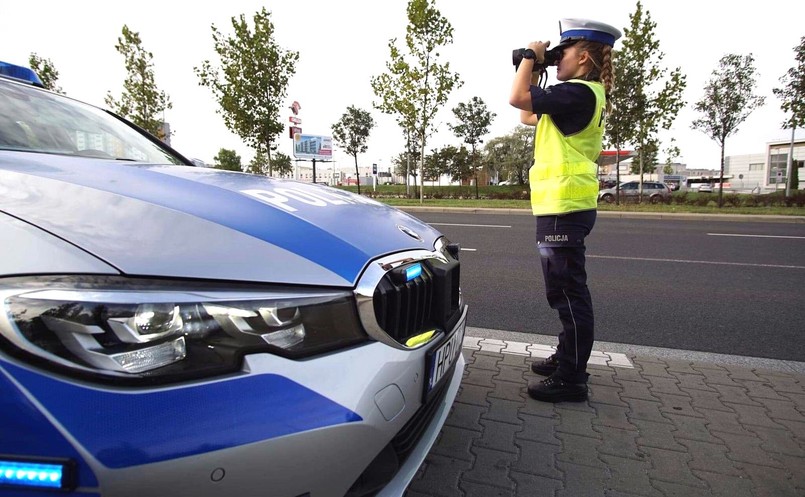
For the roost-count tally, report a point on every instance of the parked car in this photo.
(705, 188)
(168, 329)
(654, 191)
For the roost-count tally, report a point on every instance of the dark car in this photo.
(655, 191)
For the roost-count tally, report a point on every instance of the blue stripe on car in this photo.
(123, 428)
(346, 239)
(239, 212)
(24, 431)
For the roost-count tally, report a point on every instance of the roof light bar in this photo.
(20, 73)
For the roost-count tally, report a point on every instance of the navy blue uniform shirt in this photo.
(570, 105)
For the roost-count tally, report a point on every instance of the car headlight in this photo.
(119, 329)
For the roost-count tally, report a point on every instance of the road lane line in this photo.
(472, 225)
(468, 250)
(715, 263)
(758, 236)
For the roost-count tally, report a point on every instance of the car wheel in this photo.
(608, 198)
(655, 199)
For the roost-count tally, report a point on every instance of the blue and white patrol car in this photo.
(181, 331)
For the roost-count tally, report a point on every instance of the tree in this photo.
(511, 155)
(620, 129)
(351, 133)
(281, 164)
(672, 152)
(46, 71)
(473, 123)
(435, 164)
(649, 151)
(728, 100)
(656, 99)
(141, 101)
(227, 160)
(415, 91)
(792, 95)
(401, 164)
(460, 164)
(251, 83)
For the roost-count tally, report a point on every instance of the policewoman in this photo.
(569, 119)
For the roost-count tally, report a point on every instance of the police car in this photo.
(175, 330)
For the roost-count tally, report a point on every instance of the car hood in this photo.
(190, 222)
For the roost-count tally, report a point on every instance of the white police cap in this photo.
(573, 30)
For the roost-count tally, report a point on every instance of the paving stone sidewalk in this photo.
(658, 428)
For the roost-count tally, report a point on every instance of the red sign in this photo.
(294, 130)
(295, 120)
(295, 107)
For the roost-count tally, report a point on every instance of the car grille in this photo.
(429, 301)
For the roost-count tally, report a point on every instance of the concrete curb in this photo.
(676, 216)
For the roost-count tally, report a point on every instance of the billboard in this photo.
(313, 147)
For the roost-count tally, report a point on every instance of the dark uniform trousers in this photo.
(560, 240)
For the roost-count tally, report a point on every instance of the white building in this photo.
(767, 171)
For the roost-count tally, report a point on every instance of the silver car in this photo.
(653, 191)
(176, 330)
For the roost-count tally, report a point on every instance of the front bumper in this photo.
(280, 428)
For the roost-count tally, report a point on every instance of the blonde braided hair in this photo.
(601, 57)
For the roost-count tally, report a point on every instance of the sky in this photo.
(344, 43)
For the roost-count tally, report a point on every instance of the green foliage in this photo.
(510, 156)
(141, 101)
(649, 152)
(647, 95)
(227, 160)
(352, 131)
(436, 163)
(416, 85)
(46, 71)
(281, 164)
(402, 161)
(792, 94)
(251, 83)
(728, 100)
(672, 152)
(459, 162)
(474, 120)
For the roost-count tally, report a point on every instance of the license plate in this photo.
(441, 360)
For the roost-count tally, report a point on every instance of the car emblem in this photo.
(408, 231)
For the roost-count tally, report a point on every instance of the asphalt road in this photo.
(712, 286)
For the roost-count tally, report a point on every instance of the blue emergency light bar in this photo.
(20, 473)
(20, 73)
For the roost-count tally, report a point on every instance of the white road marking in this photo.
(758, 236)
(468, 250)
(613, 359)
(472, 225)
(715, 263)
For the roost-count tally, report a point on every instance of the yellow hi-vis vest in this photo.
(563, 177)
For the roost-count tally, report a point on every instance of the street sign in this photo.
(295, 120)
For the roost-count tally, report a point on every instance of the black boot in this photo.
(553, 389)
(545, 367)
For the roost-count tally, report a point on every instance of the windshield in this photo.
(33, 120)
